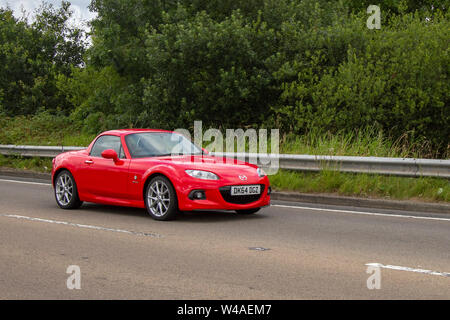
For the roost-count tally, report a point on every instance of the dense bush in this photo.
(203, 69)
(104, 99)
(195, 61)
(396, 79)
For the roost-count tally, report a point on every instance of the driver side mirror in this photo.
(110, 154)
(205, 151)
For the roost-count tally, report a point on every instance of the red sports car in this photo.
(159, 170)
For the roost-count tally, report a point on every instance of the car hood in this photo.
(219, 165)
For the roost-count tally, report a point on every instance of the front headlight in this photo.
(205, 175)
(260, 172)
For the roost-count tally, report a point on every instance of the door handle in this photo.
(89, 162)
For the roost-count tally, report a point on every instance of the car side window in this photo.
(107, 142)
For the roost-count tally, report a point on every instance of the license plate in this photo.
(245, 190)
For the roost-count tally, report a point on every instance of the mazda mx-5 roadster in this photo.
(159, 170)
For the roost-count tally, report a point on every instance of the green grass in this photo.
(42, 129)
(22, 163)
(363, 185)
(368, 142)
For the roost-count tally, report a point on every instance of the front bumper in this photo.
(218, 197)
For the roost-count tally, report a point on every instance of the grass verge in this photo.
(21, 163)
(368, 142)
(363, 185)
(43, 129)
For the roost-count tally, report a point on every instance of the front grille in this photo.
(226, 195)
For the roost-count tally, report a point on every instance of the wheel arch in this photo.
(55, 175)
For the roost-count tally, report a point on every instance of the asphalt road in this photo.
(314, 253)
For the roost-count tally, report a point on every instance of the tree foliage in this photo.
(32, 55)
(297, 65)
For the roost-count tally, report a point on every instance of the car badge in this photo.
(243, 178)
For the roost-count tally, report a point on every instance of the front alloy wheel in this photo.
(161, 200)
(66, 192)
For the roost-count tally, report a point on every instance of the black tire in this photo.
(66, 191)
(248, 211)
(161, 199)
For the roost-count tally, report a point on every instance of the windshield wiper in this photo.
(176, 154)
(161, 155)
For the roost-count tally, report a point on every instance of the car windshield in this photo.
(157, 144)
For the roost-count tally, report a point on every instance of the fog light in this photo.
(197, 195)
(269, 190)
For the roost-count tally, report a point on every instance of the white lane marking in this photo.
(154, 235)
(27, 182)
(430, 272)
(363, 213)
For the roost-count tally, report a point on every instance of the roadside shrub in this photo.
(104, 99)
(394, 79)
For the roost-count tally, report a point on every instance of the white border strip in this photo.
(429, 272)
(363, 213)
(154, 235)
(27, 182)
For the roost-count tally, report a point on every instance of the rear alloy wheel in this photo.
(66, 192)
(248, 211)
(161, 199)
